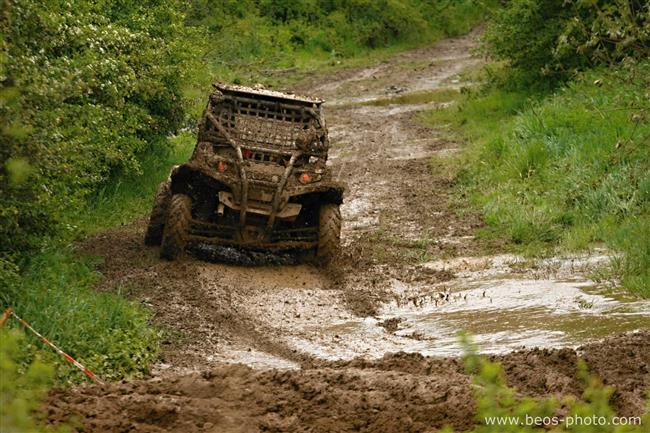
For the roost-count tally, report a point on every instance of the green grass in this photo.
(107, 333)
(434, 96)
(569, 171)
(130, 197)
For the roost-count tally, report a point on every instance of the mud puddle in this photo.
(490, 298)
(554, 305)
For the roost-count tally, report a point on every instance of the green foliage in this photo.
(500, 410)
(551, 39)
(87, 87)
(124, 199)
(22, 388)
(90, 93)
(570, 170)
(343, 26)
(106, 333)
(55, 290)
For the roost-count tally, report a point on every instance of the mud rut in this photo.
(316, 344)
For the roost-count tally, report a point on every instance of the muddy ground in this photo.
(397, 393)
(260, 342)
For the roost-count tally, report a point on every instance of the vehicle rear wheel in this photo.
(156, 225)
(329, 232)
(177, 226)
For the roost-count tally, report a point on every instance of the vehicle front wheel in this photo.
(329, 232)
(156, 225)
(177, 226)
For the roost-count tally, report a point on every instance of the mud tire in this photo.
(177, 226)
(156, 225)
(329, 233)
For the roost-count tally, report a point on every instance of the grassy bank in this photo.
(568, 171)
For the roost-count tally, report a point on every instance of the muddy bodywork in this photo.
(258, 174)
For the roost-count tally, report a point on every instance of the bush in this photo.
(344, 27)
(552, 39)
(87, 88)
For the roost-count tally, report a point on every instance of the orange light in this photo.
(305, 178)
(221, 166)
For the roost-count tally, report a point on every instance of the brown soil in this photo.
(398, 393)
(288, 321)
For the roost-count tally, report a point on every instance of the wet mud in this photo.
(265, 342)
(397, 393)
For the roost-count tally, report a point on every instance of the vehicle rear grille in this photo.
(262, 123)
(256, 131)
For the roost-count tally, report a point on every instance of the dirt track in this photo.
(409, 260)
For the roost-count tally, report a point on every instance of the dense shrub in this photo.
(551, 39)
(342, 27)
(87, 87)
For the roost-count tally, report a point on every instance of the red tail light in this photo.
(247, 153)
(305, 178)
(221, 166)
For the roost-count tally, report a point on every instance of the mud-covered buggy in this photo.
(257, 179)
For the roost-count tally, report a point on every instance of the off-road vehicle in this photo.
(257, 178)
